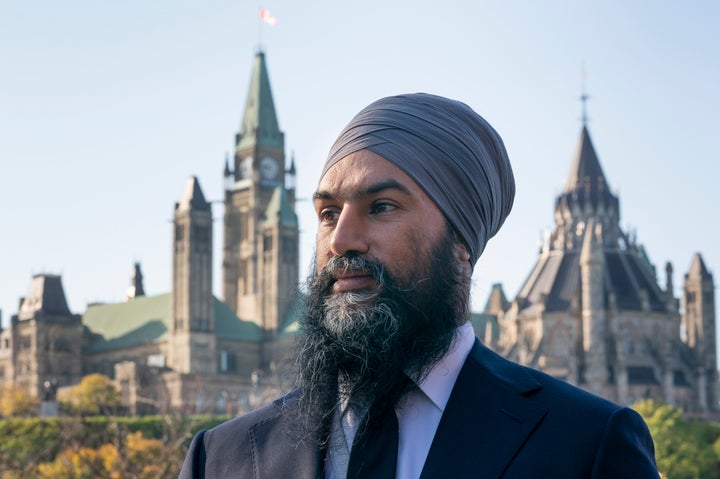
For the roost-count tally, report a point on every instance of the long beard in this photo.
(363, 344)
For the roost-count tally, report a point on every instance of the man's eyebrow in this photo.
(370, 190)
(387, 185)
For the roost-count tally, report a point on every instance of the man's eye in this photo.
(381, 207)
(328, 215)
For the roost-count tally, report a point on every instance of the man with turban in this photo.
(391, 381)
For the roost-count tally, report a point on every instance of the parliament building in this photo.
(591, 311)
(187, 350)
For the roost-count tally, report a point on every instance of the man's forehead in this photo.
(364, 172)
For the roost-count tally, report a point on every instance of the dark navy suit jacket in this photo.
(502, 420)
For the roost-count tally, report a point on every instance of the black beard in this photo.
(364, 343)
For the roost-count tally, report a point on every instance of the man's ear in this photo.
(461, 252)
(463, 256)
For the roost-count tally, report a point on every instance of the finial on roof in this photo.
(136, 288)
(227, 171)
(584, 97)
(292, 163)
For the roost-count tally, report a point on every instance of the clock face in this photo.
(268, 168)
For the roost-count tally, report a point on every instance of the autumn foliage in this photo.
(91, 442)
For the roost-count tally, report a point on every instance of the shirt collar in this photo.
(439, 382)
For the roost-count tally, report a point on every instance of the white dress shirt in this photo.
(418, 414)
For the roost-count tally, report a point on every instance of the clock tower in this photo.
(260, 243)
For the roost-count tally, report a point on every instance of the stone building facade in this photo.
(42, 346)
(187, 350)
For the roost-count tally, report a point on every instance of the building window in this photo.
(200, 233)
(227, 362)
(200, 324)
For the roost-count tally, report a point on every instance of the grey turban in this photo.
(450, 151)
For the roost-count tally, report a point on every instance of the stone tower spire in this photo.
(586, 193)
(698, 320)
(258, 167)
(136, 288)
(259, 125)
(192, 330)
(260, 254)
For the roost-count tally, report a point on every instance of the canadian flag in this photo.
(267, 17)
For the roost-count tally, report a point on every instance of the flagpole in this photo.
(260, 26)
(265, 16)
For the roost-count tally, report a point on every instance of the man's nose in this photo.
(350, 233)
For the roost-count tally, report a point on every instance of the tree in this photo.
(134, 457)
(96, 394)
(16, 401)
(683, 449)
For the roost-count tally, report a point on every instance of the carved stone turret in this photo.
(192, 331)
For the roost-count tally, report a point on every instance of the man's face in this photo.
(368, 206)
(390, 288)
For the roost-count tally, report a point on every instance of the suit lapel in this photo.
(276, 454)
(487, 420)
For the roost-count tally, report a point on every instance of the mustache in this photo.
(353, 262)
(350, 262)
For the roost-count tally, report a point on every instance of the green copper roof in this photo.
(229, 326)
(146, 319)
(279, 209)
(260, 125)
(290, 326)
(141, 320)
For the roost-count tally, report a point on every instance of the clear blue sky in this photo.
(107, 107)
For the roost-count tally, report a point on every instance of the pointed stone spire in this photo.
(698, 268)
(192, 198)
(260, 125)
(136, 288)
(226, 172)
(292, 170)
(586, 190)
(497, 301)
(291, 176)
(585, 172)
